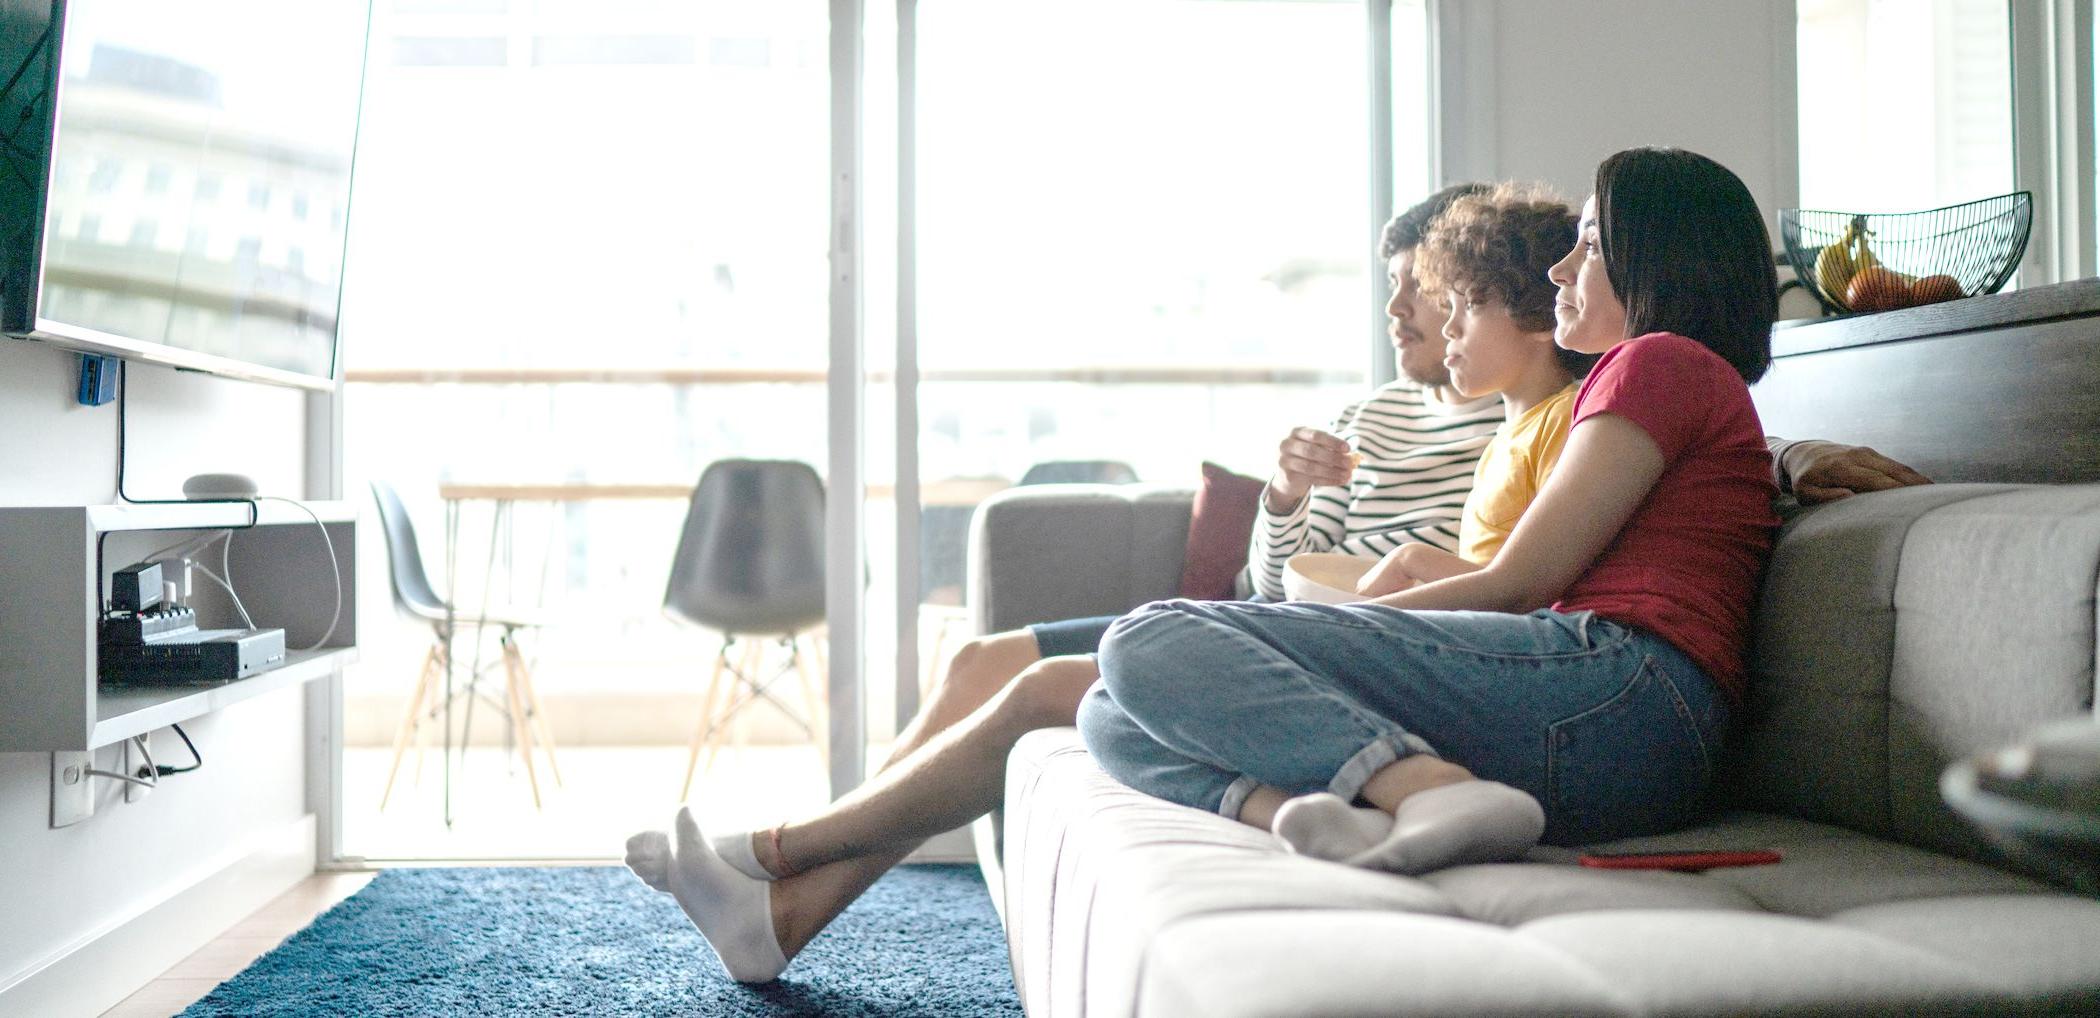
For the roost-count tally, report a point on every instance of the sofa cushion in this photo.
(1117, 902)
(1899, 631)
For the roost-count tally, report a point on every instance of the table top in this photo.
(956, 491)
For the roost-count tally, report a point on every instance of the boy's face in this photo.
(1486, 351)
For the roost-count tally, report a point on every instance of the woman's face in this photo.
(1587, 315)
(1412, 323)
(1485, 349)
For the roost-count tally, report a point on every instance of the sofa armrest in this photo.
(1066, 551)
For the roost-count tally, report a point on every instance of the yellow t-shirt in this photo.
(1510, 474)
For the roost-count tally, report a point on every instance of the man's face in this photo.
(1415, 324)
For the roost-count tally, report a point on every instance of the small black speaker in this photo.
(135, 587)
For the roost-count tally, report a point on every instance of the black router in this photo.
(145, 642)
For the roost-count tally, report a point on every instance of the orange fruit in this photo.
(1934, 289)
(1877, 289)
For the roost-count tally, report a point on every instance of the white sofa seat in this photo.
(1118, 903)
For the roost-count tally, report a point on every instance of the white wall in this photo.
(59, 887)
(1545, 89)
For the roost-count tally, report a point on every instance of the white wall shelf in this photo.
(124, 711)
(55, 563)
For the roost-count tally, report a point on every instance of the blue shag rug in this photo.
(595, 941)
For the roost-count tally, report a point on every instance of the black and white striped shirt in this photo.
(1418, 460)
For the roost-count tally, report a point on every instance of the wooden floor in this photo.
(193, 977)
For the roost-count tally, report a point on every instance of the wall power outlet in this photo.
(72, 788)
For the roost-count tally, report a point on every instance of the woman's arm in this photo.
(1412, 564)
(1604, 475)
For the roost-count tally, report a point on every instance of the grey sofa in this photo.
(1897, 632)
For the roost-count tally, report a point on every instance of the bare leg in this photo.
(979, 670)
(957, 775)
(1408, 775)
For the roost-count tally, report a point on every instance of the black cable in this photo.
(164, 770)
(123, 392)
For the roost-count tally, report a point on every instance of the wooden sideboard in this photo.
(2004, 387)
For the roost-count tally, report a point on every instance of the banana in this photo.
(1846, 258)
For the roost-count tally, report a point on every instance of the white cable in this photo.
(140, 741)
(228, 587)
(334, 566)
(188, 546)
(114, 776)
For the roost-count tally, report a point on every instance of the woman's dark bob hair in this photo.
(1686, 251)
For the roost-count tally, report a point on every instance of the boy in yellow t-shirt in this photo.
(1488, 254)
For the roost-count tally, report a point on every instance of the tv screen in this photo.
(177, 185)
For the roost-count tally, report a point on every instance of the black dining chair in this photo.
(750, 566)
(519, 706)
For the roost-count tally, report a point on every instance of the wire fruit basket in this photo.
(1880, 261)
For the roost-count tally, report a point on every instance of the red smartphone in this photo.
(1684, 859)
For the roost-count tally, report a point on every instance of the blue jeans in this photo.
(1614, 731)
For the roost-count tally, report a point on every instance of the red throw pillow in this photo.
(1220, 527)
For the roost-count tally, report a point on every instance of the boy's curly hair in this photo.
(1498, 245)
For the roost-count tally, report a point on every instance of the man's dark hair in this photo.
(1404, 232)
(1687, 252)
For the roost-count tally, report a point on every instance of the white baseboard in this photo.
(108, 965)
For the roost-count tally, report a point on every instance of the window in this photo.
(1190, 211)
(1904, 106)
(1145, 244)
(600, 199)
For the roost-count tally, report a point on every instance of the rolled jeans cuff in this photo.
(1380, 753)
(1236, 796)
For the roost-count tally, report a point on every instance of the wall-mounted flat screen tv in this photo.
(176, 179)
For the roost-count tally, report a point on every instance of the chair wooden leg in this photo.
(705, 728)
(409, 723)
(753, 656)
(819, 732)
(542, 729)
(519, 727)
(434, 714)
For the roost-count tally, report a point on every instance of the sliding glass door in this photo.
(930, 249)
(588, 262)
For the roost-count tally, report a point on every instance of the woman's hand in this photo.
(1305, 459)
(1390, 575)
(1828, 471)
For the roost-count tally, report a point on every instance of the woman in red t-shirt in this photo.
(1578, 686)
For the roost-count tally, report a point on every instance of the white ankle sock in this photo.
(735, 849)
(1325, 826)
(1452, 825)
(649, 856)
(734, 912)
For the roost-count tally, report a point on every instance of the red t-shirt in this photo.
(1686, 566)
